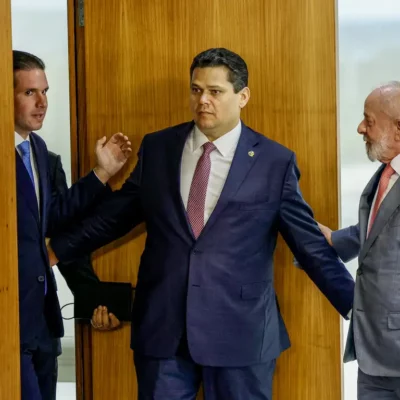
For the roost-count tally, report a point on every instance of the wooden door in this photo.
(9, 336)
(132, 75)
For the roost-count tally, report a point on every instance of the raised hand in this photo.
(111, 156)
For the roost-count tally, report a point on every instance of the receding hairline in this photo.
(388, 98)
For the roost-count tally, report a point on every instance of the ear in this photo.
(244, 97)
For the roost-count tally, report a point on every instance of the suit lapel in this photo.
(366, 200)
(42, 169)
(24, 186)
(175, 155)
(388, 206)
(243, 160)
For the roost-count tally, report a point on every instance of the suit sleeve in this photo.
(81, 270)
(119, 213)
(346, 242)
(318, 259)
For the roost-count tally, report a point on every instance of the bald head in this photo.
(387, 98)
(381, 124)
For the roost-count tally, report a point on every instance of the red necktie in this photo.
(198, 190)
(383, 184)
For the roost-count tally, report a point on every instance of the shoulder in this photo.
(169, 133)
(275, 149)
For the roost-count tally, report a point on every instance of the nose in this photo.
(41, 101)
(361, 129)
(204, 98)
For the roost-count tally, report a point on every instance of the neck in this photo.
(214, 134)
(22, 133)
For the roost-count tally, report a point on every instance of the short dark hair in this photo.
(23, 61)
(238, 74)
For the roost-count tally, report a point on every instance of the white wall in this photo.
(40, 27)
(368, 50)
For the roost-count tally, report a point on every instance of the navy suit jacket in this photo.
(33, 226)
(220, 287)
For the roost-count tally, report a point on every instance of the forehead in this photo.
(32, 79)
(211, 76)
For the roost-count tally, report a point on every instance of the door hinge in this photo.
(81, 12)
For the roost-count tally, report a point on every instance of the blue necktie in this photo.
(24, 148)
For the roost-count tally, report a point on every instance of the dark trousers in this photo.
(179, 378)
(377, 387)
(37, 367)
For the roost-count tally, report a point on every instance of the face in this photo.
(213, 102)
(30, 100)
(379, 130)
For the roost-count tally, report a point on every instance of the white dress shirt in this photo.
(395, 163)
(221, 160)
(18, 140)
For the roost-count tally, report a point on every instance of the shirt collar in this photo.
(224, 144)
(395, 164)
(19, 139)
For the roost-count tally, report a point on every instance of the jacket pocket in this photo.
(253, 290)
(394, 321)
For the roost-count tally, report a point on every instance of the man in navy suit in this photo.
(40, 214)
(214, 194)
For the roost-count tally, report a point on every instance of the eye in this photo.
(215, 92)
(29, 92)
(195, 90)
(44, 91)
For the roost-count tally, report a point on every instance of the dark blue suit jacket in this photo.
(220, 287)
(33, 226)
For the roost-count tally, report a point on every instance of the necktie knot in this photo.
(24, 147)
(208, 147)
(388, 171)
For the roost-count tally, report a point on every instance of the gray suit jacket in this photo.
(374, 334)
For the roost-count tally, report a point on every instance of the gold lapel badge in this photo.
(251, 153)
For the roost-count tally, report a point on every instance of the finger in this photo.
(97, 318)
(128, 153)
(104, 318)
(100, 143)
(117, 137)
(115, 323)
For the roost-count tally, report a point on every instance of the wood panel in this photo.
(136, 75)
(9, 337)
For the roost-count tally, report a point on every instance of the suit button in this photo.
(40, 278)
(359, 271)
(197, 251)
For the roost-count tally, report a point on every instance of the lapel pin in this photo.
(251, 153)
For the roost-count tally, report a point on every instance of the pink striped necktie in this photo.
(383, 184)
(198, 190)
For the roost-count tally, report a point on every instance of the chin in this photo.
(204, 125)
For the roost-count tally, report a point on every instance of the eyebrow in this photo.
(210, 87)
(36, 89)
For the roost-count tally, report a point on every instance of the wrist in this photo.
(101, 174)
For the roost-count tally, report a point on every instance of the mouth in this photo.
(39, 116)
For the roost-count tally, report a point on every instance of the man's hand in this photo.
(53, 260)
(104, 321)
(111, 156)
(326, 232)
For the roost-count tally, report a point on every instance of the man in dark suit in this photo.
(214, 194)
(39, 214)
(75, 272)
